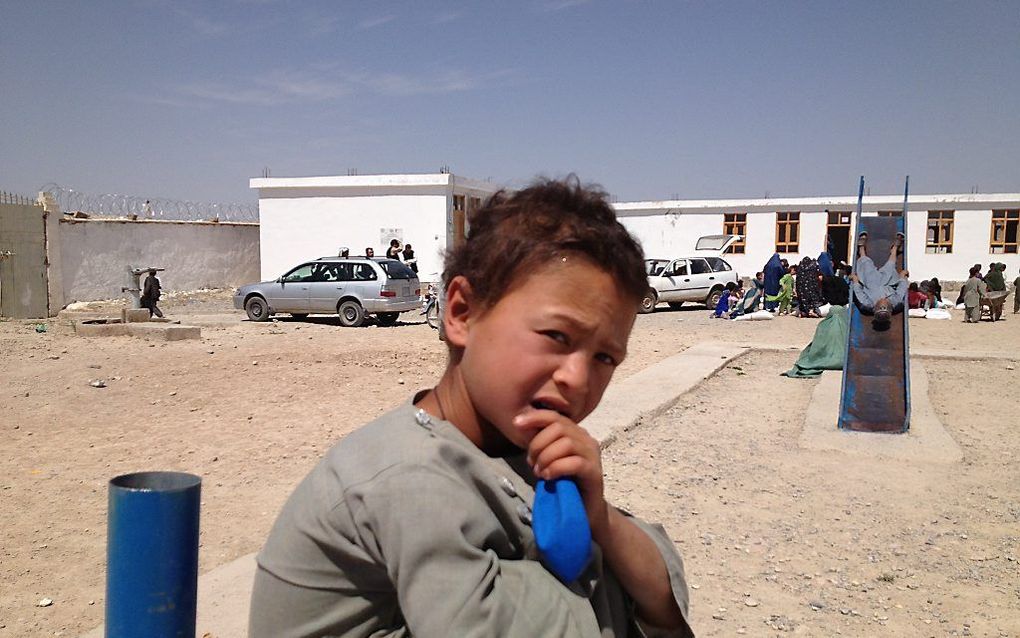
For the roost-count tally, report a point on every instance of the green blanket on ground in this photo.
(827, 351)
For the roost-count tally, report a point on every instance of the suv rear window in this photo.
(395, 269)
(718, 264)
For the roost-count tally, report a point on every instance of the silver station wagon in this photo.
(351, 287)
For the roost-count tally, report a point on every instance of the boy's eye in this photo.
(607, 359)
(557, 336)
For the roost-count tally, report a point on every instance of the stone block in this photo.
(134, 315)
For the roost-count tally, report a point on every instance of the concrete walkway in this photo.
(224, 592)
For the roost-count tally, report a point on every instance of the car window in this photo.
(344, 272)
(654, 267)
(324, 272)
(718, 264)
(362, 272)
(699, 267)
(301, 273)
(680, 268)
(395, 269)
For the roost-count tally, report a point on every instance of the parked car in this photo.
(351, 287)
(700, 277)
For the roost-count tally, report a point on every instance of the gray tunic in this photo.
(406, 528)
(874, 283)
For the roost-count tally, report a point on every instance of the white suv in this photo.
(700, 277)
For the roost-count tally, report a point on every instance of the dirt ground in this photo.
(776, 538)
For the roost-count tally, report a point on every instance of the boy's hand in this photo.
(563, 448)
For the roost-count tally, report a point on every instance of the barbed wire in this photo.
(117, 205)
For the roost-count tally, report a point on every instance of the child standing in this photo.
(419, 523)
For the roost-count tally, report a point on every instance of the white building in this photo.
(946, 234)
(308, 217)
(303, 218)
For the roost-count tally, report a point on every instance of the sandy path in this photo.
(250, 408)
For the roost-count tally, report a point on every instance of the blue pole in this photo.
(152, 555)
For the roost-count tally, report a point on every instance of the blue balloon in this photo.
(561, 528)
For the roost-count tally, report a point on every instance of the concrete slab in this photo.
(134, 315)
(927, 440)
(150, 330)
(655, 389)
(223, 597)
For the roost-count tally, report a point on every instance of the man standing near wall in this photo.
(151, 294)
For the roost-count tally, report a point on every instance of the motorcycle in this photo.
(430, 307)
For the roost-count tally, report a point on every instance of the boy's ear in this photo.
(458, 312)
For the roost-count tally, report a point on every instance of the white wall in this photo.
(663, 232)
(297, 229)
(95, 255)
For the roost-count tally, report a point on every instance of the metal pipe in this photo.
(152, 555)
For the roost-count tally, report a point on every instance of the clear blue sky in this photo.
(189, 99)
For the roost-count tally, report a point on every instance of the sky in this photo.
(653, 100)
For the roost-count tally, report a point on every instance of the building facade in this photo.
(308, 217)
(303, 218)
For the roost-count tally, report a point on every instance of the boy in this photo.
(879, 292)
(419, 522)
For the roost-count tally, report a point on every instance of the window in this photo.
(939, 236)
(301, 273)
(459, 202)
(890, 213)
(1004, 231)
(679, 268)
(718, 264)
(700, 267)
(363, 272)
(788, 232)
(736, 224)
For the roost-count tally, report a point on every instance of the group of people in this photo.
(403, 253)
(988, 290)
(783, 288)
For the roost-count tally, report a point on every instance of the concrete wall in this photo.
(95, 255)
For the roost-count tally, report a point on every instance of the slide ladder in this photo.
(876, 375)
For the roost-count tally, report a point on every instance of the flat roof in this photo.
(977, 201)
(373, 181)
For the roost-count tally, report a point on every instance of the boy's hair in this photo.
(514, 233)
(759, 274)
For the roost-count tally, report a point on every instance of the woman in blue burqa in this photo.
(774, 271)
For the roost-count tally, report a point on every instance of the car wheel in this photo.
(676, 305)
(649, 301)
(713, 298)
(257, 309)
(388, 318)
(432, 316)
(299, 315)
(351, 313)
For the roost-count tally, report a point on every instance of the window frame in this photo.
(736, 224)
(943, 219)
(786, 220)
(1003, 217)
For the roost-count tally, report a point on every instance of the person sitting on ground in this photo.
(752, 296)
(786, 285)
(935, 290)
(809, 291)
(916, 298)
(420, 522)
(974, 291)
(880, 292)
(722, 308)
(835, 290)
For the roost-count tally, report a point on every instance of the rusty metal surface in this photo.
(875, 393)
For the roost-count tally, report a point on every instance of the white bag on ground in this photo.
(917, 313)
(938, 313)
(823, 310)
(761, 315)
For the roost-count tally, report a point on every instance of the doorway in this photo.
(837, 233)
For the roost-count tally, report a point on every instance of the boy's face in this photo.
(551, 343)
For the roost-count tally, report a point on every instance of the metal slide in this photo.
(876, 375)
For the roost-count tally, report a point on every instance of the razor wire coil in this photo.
(119, 205)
